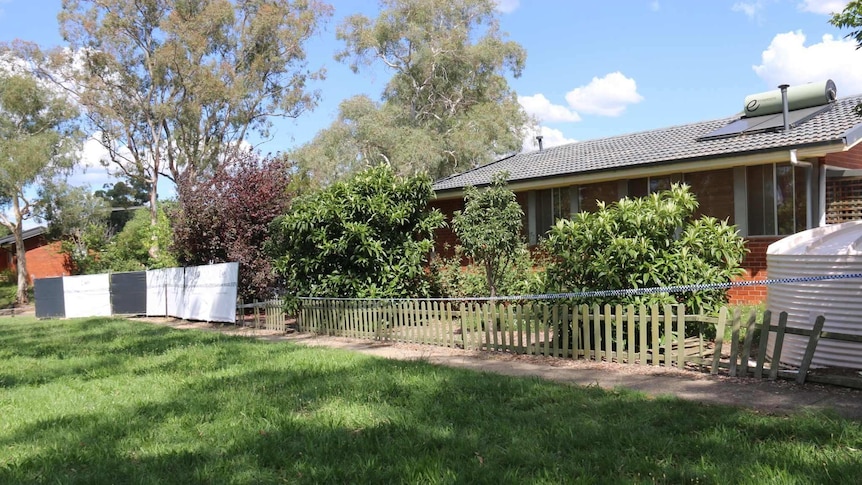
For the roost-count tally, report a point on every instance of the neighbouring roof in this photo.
(664, 145)
(27, 234)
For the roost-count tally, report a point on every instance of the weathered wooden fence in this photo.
(649, 336)
(267, 314)
(658, 336)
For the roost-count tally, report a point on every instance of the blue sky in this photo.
(594, 68)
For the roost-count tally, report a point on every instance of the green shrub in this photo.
(645, 242)
(523, 276)
(367, 237)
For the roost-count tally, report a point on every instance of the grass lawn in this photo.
(113, 401)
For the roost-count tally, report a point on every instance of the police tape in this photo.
(620, 292)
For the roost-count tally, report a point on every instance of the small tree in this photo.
(369, 236)
(79, 220)
(225, 217)
(36, 141)
(128, 250)
(643, 242)
(489, 228)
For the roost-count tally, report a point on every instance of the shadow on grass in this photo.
(238, 411)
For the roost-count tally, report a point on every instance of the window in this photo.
(777, 202)
(606, 192)
(552, 205)
(714, 192)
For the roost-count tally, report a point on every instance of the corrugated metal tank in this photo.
(829, 250)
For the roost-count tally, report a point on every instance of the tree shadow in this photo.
(241, 411)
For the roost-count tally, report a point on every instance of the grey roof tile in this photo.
(662, 146)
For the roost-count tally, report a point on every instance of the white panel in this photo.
(175, 292)
(157, 300)
(211, 292)
(87, 295)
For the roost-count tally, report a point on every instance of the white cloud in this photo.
(827, 7)
(543, 110)
(550, 138)
(90, 171)
(788, 60)
(608, 96)
(654, 6)
(751, 10)
(507, 6)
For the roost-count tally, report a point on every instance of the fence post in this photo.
(764, 341)
(809, 351)
(779, 343)
(746, 346)
(719, 339)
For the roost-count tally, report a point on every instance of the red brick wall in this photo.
(755, 269)
(46, 261)
(444, 238)
(43, 259)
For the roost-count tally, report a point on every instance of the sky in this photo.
(594, 68)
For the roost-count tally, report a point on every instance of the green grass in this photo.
(115, 401)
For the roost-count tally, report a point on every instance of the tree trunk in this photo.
(21, 255)
(154, 217)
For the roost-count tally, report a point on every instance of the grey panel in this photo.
(760, 124)
(50, 302)
(129, 293)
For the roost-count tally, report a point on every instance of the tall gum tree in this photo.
(173, 87)
(448, 106)
(37, 140)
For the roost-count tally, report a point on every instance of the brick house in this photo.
(44, 258)
(770, 175)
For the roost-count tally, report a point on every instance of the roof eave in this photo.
(694, 164)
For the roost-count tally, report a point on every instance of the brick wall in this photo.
(44, 259)
(444, 238)
(755, 269)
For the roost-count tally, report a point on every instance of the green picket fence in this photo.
(644, 335)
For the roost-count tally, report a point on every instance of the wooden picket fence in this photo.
(268, 314)
(623, 334)
(648, 336)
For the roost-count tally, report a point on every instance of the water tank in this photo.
(828, 250)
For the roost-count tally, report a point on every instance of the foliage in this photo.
(79, 220)
(522, 276)
(645, 242)
(225, 217)
(369, 236)
(448, 106)
(36, 142)
(124, 196)
(489, 228)
(851, 18)
(175, 86)
(182, 406)
(129, 249)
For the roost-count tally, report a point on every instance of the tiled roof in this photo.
(27, 233)
(664, 145)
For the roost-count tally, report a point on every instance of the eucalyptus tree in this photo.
(174, 87)
(37, 140)
(447, 107)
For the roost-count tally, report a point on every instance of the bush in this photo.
(451, 279)
(645, 242)
(367, 237)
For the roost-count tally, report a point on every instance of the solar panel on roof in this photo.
(761, 124)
